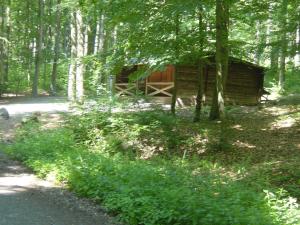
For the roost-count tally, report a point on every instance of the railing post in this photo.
(146, 87)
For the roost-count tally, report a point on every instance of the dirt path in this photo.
(27, 200)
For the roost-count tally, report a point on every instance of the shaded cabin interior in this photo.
(244, 84)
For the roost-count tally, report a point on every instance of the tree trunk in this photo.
(200, 93)
(274, 58)
(92, 33)
(2, 47)
(72, 67)
(297, 55)
(8, 30)
(283, 45)
(261, 31)
(4, 44)
(99, 34)
(38, 56)
(81, 36)
(53, 88)
(174, 94)
(222, 21)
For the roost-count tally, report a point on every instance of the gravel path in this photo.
(27, 200)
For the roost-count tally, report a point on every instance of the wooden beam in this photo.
(162, 90)
(125, 88)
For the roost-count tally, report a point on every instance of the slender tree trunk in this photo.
(4, 44)
(72, 67)
(53, 88)
(8, 30)
(29, 48)
(38, 56)
(274, 58)
(200, 93)
(174, 94)
(297, 55)
(272, 40)
(81, 37)
(66, 34)
(2, 47)
(5, 38)
(261, 31)
(100, 33)
(222, 21)
(47, 42)
(92, 33)
(101, 47)
(283, 45)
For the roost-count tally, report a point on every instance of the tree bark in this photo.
(4, 44)
(283, 45)
(99, 40)
(72, 67)
(8, 30)
(92, 33)
(38, 56)
(53, 88)
(200, 93)
(222, 21)
(174, 94)
(297, 55)
(81, 36)
(261, 31)
(2, 47)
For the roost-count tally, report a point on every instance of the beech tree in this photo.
(38, 48)
(222, 22)
(53, 85)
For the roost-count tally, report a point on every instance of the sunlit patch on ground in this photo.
(51, 121)
(238, 127)
(284, 123)
(11, 183)
(39, 107)
(17, 106)
(241, 144)
(277, 111)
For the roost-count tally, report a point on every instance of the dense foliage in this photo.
(111, 34)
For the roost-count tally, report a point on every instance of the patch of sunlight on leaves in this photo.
(285, 208)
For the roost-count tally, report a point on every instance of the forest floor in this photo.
(26, 199)
(257, 147)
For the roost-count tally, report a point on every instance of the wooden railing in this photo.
(153, 89)
(159, 89)
(127, 89)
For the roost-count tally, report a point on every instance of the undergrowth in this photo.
(291, 86)
(142, 167)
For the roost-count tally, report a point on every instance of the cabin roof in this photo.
(211, 58)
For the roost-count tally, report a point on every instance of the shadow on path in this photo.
(27, 200)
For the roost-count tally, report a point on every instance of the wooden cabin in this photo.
(244, 83)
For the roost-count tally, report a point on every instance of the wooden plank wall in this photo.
(162, 76)
(243, 83)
